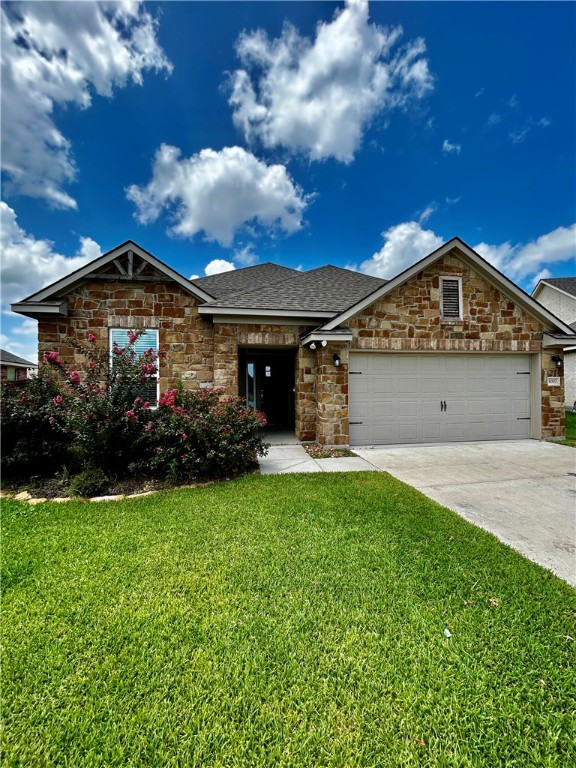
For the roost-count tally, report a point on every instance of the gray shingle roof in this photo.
(7, 358)
(567, 284)
(326, 289)
(246, 279)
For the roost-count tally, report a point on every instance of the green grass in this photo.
(279, 621)
(570, 429)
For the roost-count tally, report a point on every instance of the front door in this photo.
(267, 383)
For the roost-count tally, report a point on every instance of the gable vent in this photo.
(450, 298)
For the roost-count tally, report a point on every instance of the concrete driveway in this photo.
(522, 491)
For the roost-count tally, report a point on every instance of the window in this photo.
(148, 340)
(451, 297)
(11, 373)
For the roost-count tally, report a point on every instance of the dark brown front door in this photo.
(267, 383)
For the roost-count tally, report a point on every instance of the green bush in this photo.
(91, 482)
(97, 421)
(30, 444)
(201, 434)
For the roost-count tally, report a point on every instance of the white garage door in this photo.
(405, 398)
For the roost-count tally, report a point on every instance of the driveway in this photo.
(522, 491)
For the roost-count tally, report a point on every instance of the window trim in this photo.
(452, 278)
(114, 329)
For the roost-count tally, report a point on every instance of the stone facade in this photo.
(97, 306)
(204, 353)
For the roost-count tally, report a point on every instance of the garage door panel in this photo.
(397, 397)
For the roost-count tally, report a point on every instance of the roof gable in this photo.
(565, 285)
(469, 255)
(129, 260)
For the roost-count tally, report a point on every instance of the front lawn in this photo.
(570, 429)
(288, 620)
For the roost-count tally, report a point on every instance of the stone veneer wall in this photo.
(332, 393)
(306, 398)
(408, 320)
(96, 306)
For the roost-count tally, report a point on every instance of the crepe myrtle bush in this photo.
(96, 419)
(30, 445)
(84, 419)
(202, 434)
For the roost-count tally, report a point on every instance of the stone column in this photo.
(305, 397)
(226, 357)
(553, 413)
(332, 396)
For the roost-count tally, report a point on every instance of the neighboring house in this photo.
(558, 294)
(14, 368)
(448, 350)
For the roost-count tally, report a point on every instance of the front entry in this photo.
(266, 380)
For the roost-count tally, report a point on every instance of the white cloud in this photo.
(542, 275)
(479, 92)
(55, 54)
(453, 200)
(518, 136)
(218, 265)
(451, 149)
(494, 119)
(404, 244)
(317, 96)
(523, 260)
(245, 255)
(218, 193)
(427, 212)
(29, 264)
(513, 101)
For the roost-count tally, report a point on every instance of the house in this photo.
(448, 350)
(558, 294)
(14, 368)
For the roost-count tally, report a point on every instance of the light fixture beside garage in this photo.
(313, 346)
(557, 360)
(336, 359)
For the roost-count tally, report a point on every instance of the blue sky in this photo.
(219, 134)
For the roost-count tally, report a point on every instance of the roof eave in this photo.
(307, 315)
(38, 310)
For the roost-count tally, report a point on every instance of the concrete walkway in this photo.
(287, 455)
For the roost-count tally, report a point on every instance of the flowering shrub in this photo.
(30, 445)
(84, 420)
(96, 419)
(200, 434)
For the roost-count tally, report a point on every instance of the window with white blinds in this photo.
(148, 340)
(451, 297)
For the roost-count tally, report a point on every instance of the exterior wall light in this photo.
(336, 359)
(557, 360)
(313, 346)
(324, 343)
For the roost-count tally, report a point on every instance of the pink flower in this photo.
(132, 337)
(130, 413)
(145, 404)
(116, 349)
(149, 352)
(148, 427)
(184, 435)
(74, 378)
(92, 365)
(137, 400)
(51, 357)
(91, 338)
(58, 400)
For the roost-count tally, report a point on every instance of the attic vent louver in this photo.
(451, 298)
